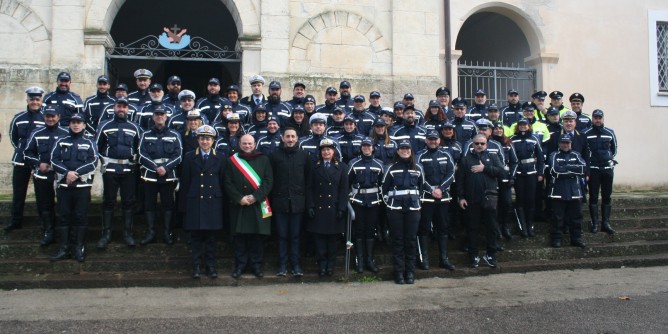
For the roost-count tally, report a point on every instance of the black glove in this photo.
(339, 214)
(311, 213)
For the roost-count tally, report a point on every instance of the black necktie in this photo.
(206, 157)
(326, 164)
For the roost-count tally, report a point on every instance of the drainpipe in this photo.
(448, 45)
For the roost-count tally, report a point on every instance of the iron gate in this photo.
(495, 79)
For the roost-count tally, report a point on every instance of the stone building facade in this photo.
(603, 52)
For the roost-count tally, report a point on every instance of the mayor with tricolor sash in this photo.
(247, 184)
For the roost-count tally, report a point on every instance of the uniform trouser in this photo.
(203, 241)
(525, 192)
(45, 194)
(73, 206)
(112, 183)
(365, 221)
(288, 226)
(476, 216)
(325, 248)
(505, 203)
(403, 233)
(20, 179)
(436, 214)
(566, 211)
(248, 250)
(151, 191)
(600, 179)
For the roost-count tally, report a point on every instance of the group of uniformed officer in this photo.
(399, 158)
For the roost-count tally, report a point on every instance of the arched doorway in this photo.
(493, 51)
(137, 32)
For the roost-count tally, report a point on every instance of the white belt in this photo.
(528, 161)
(367, 190)
(160, 161)
(404, 192)
(118, 161)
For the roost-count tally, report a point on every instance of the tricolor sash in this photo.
(252, 177)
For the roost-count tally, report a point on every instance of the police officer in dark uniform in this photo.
(189, 134)
(257, 98)
(443, 98)
(201, 199)
(567, 167)
(335, 123)
(108, 112)
(350, 141)
(479, 109)
(257, 126)
(330, 102)
(512, 113)
(374, 104)
(384, 148)
(268, 143)
(434, 116)
(403, 183)
(145, 115)
(173, 90)
(159, 155)
(38, 158)
(117, 144)
(602, 146)
(464, 128)
(538, 99)
(552, 122)
(365, 174)
(22, 125)
(329, 205)
(69, 102)
(233, 95)
(212, 103)
(94, 105)
(410, 130)
(409, 100)
(345, 102)
(439, 173)
(556, 101)
(275, 107)
(311, 143)
(583, 121)
(363, 119)
(228, 141)
(298, 95)
(179, 120)
(140, 97)
(74, 159)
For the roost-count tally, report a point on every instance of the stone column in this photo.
(67, 37)
(251, 62)
(546, 67)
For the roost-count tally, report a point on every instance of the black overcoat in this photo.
(201, 190)
(330, 195)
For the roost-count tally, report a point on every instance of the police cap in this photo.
(359, 98)
(512, 91)
(64, 76)
(155, 86)
(379, 122)
(326, 142)
(556, 95)
(214, 81)
(309, 98)
(159, 110)
(565, 138)
(367, 141)
(446, 125)
(232, 88)
(299, 84)
(597, 113)
(443, 91)
(388, 111)
(404, 144)
(523, 121)
(173, 79)
(103, 78)
(233, 117)
(539, 95)
(576, 97)
(344, 84)
(432, 135)
(493, 107)
(35, 91)
(349, 118)
(434, 103)
(122, 100)
(274, 85)
(51, 110)
(459, 102)
(77, 117)
(399, 105)
(331, 90)
(570, 114)
(337, 111)
(186, 94)
(255, 78)
(194, 114)
(497, 124)
(409, 96)
(552, 111)
(143, 73)
(261, 108)
(298, 108)
(528, 106)
(206, 130)
(122, 86)
(317, 118)
(483, 124)
(273, 119)
(375, 93)
(480, 92)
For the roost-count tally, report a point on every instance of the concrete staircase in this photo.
(640, 219)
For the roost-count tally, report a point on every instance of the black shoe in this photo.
(258, 272)
(196, 271)
(297, 271)
(237, 273)
(322, 272)
(330, 272)
(211, 272)
(63, 254)
(505, 232)
(605, 227)
(13, 226)
(490, 260)
(281, 271)
(556, 243)
(445, 263)
(578, 243)
(475, 261)
(410, 278)
(399, 278)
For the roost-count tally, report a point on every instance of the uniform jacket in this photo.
(364, 121)
(529, 154)
(291, 192)
(602, 145)
(108, 114)
(227, 144)
(160, 147)
(351, 144)
(118, 139)
(145, 115)
(346, 104)
(476, 112)
(69, 103)
(140, 98)
(23, 124)
(578, 144)
(384, 152)
(464, 129)
(268, 144)
(76, 153)
(566, 171)
(248, 219)
(93, 108)
(189, 141)
(511, 113)
(510, 162)
(326, 108)
(39, 147)
(311, 145)
(402, 186)
(473, 186)
(439, 172)
(329, 189)
(582, 121)
(453, 147)
(210, 106)
(416, 134)
(250, 101)
(201, 190)
(281, 110)
(493, 147)
(365, 175)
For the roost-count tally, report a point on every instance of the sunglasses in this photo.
(479, 144)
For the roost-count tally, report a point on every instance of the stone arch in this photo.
(27, 18)
(101, 15)
(375, 46)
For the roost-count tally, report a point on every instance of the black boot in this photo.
(63, 249)
(16, 224)
(410, 277)
(422, 245)
(47, 228)
(443, 260)
(150, 228)
(359, 255)
(168, 235)
(505, 231)
(605, 220)
(520, 215)
(593, 213)
(80, 250)
(370, 263)
(107, 217)
(528, 219)
(399, 278)
(128, 221)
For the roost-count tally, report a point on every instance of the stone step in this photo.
(181, 278)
